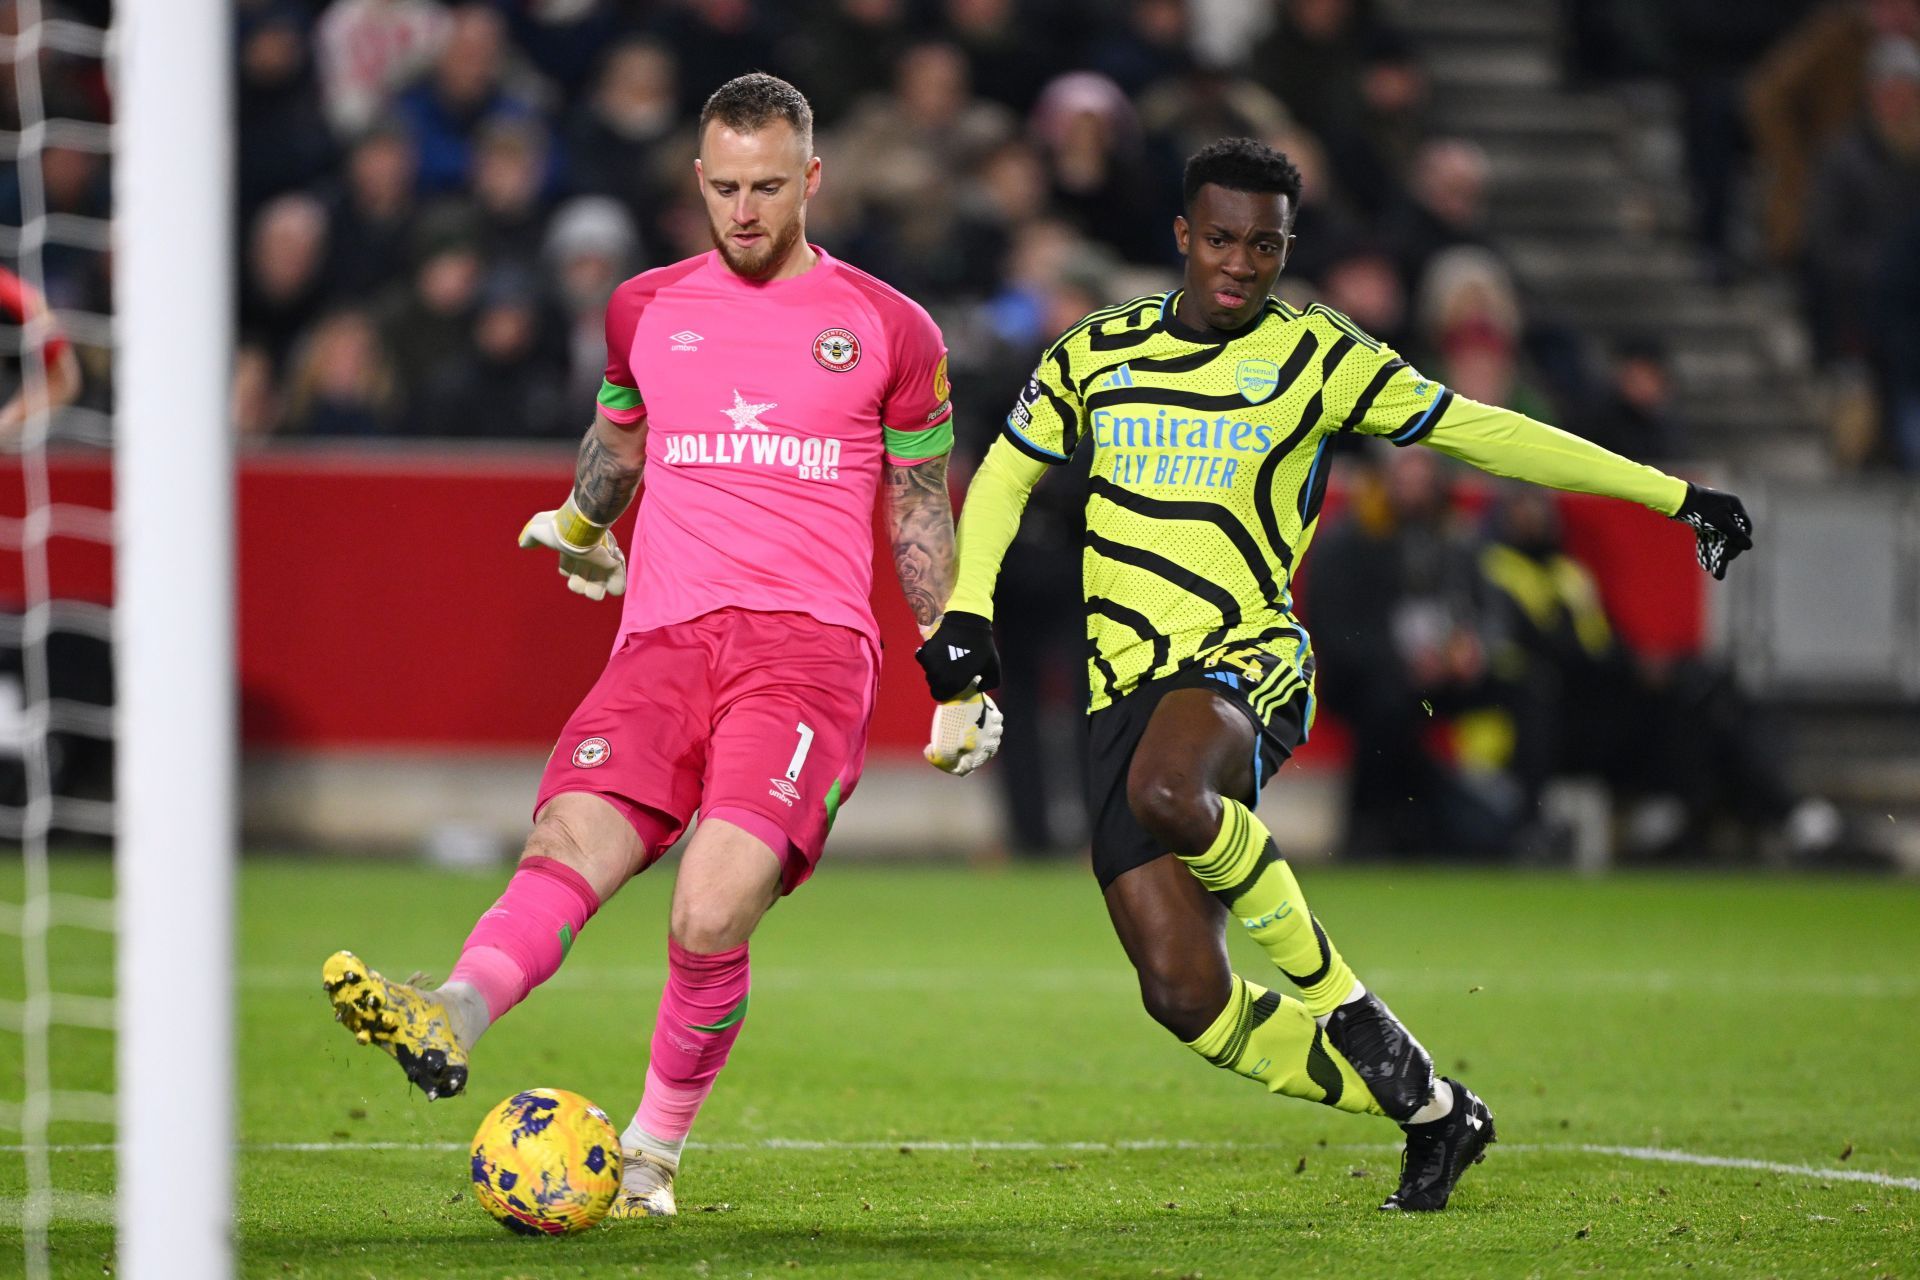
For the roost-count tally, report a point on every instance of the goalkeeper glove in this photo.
(1722, 529)
(959, 657)
(965, 734)
(589, 555)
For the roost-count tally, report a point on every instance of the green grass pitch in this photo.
(947, 1073)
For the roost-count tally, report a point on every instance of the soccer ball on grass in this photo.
(546, 1162)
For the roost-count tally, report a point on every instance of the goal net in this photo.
(116, 701)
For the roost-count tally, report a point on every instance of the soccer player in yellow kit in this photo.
(1209, 411)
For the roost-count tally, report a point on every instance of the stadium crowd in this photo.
(435, 198)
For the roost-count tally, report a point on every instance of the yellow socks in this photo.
(1243, 870)
(1268, 1037)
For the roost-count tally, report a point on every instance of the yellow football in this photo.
(546, 1162)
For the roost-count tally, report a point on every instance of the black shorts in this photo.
(1120, 843)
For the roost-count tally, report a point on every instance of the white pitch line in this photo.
(1656, 1155)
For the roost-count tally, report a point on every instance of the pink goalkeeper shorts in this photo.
(761, 712)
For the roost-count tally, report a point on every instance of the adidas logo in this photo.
(1121, 377)
(955, 652)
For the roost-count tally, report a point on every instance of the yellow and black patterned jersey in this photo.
(1209, 466)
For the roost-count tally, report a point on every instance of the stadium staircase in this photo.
(1589, 203)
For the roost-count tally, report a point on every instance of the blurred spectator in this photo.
(256, 393)
(591, 247)
(59, 380)
(1349, 78)
(716, 40)
(1898, 344)
(915, 148)
(847, 50)
(372, 214)
(1634, 415)
(1041, 625)
(285, 142)
(1710, 44)
(1149, 47)
(1091, 141)
(76, 182)
(1396, 597)
(1809, 87)
(1675, 736)
(425, 322)
(467, 87)
(618, 127)
(1007, 191)
(1469, 331)
(508, 382)
(285, 277)
(1363, 284)
(1866, 185)
(1323, 225)
(1188, 111)
(509, 171)
(1005, 64)
(1446, 204)
(564, 39)
(368, 49)
(341, 383)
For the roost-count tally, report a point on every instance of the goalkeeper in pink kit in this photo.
(764, 390)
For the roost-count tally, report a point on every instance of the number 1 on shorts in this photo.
(800, 752)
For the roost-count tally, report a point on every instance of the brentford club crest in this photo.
(593, 751)
(837, 349)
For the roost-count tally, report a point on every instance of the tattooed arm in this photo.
(922, 523)
(607, 471)
(605, 477)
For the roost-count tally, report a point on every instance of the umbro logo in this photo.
(955, 652)
(684, 340)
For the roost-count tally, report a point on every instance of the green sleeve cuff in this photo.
(918, 446)
(618, 398)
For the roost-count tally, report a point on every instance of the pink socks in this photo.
(521, 940)
(701, 1011)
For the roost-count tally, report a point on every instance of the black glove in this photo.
(959, 651)
(1721, 527)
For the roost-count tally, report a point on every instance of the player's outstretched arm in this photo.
(966, 731)
(959, 656)
(605, 477)
(1513, 445)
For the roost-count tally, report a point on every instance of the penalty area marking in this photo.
(1653, 1155)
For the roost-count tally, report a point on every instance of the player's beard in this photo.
(764, 258)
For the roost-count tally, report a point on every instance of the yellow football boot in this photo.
(410, 1024)
(646, 1188)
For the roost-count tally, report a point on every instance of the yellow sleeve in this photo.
(989, 520)
(1045, 422)
(1513, 445)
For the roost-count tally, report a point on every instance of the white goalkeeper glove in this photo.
(966, 733)
(589, 556)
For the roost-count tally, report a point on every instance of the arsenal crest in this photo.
(836, 349)
(1257, 379)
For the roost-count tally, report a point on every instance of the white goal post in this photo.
(174, 625)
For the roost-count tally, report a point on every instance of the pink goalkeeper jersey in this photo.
(769, 408)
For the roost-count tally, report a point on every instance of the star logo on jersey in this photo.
(1257, 379)
(746, 415)
(685, 340)
(836, 349)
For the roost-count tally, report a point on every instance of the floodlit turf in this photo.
(900, 1014)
